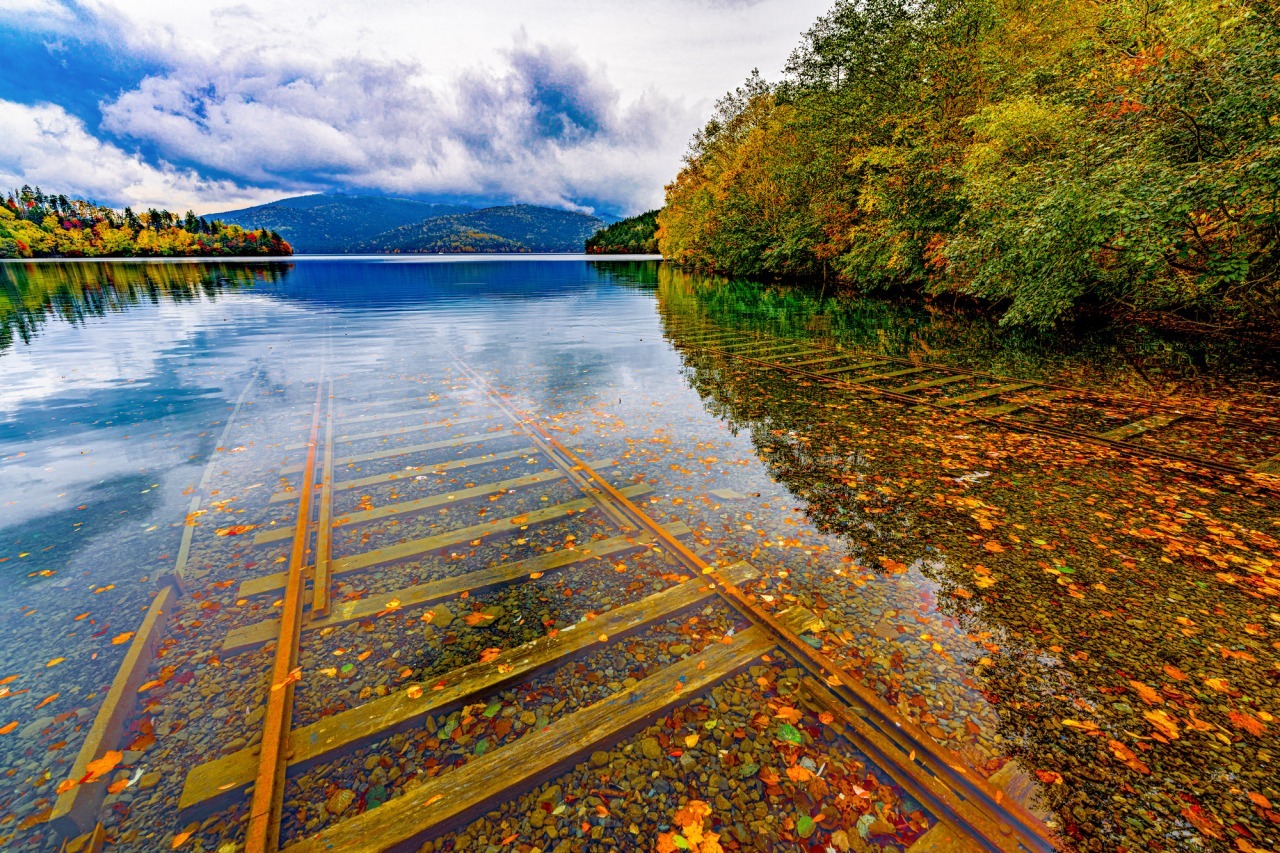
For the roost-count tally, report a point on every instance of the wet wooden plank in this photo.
(390, 452)
(420, 427)
(436, 468)
(769, 349)
(413, 472)
(1136, 428)
(863, 365)
(215, 781)
(387, 510)
(496, 776)
(823, 360)
(932, 383)
(1009, 408)
(75, 811)
(251, 636)
(984, 393)
(273, 583)
(443, 412)
(876, 377)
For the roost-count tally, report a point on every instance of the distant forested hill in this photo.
(513, 228)
(35, 224)
(334, 224)
(637, 235)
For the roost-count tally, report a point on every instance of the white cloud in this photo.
(430, 96)
(44, 144)
(544, 127)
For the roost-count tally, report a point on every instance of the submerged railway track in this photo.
(1215, 442)
(430, 438)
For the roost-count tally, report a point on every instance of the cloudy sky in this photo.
(215, 105)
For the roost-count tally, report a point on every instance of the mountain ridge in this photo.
(341, 224)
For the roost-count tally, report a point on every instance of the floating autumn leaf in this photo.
(1174, 673)
(234, 530)
(994, 547)
(414, 691)
(1163, 722)
(100, 767)
(8, 727)
(1049, 777)
(54, 662)
(9, 679)
(1258, 800)
(180, 839)
(120, 639)
(476, 617)
(489, 654)
(1218, 684)
(46, 700)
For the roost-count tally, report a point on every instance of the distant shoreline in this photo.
(390, 257)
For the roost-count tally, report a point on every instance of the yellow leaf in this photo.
(1165, 723)
(54, 662)
(691, 741)
(119, 639)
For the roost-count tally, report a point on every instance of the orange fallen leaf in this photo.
(691, 741)
(826, 718)
(46, 700)
(54, 662)
(790, 715)
(414, 692)
(434, 798)
(535, 575)
(117, 786)
(9, 679)
(1049, 777)
(100, 767)
(489, 654)
(180, 839)
(148, 685)
(1219, 684)
(81, 616)
(1258, 800)
(1174, 673)
(1146, 693)
(233, 530)
(120, 639)
(799, 774)
(1163, 722)
(475, 618)
(994, 547)
(8, 727)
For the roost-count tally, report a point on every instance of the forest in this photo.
(1047, 160)
(34, 224)
(635, 235)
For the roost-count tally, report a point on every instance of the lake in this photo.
(562, 553)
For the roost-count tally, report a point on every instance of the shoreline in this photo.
(406, 257)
